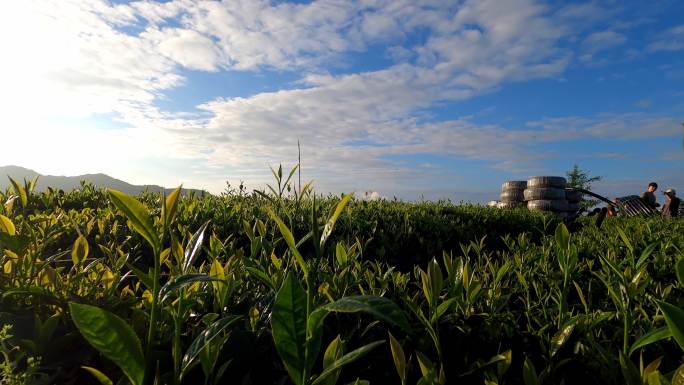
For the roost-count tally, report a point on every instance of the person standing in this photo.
(648, 196)
(671, 206)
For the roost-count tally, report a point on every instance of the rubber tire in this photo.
(547, 181)
(510, 205)
(573, 196)
(513, 196)
(548, 205)
(513, 185)
(544, 193)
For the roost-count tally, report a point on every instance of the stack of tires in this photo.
(574, 198)
(512, 194)
(546, 193)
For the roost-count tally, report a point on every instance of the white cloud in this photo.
(600, 41)
(186, 47)
(81, 58)
(669, 40)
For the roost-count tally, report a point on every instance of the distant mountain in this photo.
(68, 183)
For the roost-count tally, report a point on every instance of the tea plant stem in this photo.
(149, 367)
(307, 352)
(625, 334)
(176, 339)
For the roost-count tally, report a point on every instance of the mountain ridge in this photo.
(68, 183)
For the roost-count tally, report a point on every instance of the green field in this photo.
(254, 288)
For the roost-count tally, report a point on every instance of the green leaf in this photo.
(262, 276)
(674, 317)
(112, 337)
(193, 247)
(204, 339)
(23, 197)
(629, 371)
(171, 206)
(382, 308)
(426, 366)
(655, 378)
(435, 276)
(341, 254)
(79, 251)
(562, 336)
(398, 357)
(180, 281)
(289, 239)
(443, 308)
(502, 366)
(562, 236)
(625, 240)
(529, 373)
(220, 287)
(679, 268)
(6, 225)
(345, 360)
(653, 336)
(678, 376)
(145, 278)
(101, 377)
(138, 216)
(650, 373)
(646, 253)
(503, 270)
(330, 224)
(289, 326)
(333, 353)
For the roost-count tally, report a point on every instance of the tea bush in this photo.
(296, 288)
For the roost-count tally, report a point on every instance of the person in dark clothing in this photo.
(648, 196)
(671, 206)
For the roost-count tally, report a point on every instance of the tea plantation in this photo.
(256, 288)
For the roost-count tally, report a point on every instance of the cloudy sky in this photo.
(432, 99)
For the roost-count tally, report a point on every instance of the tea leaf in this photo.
(562, 336)
(345, 360)
(180, 281)
(330, 224)
(679, 269)
(289, 326)
(23, 197)
(435, 277)
(6, 225)
(653, 336)
(193, 247)
(138, 216)
(101, 377)
(562, 236)
(529, 373)
(333, 353)
(678, 376)
(625, 239)
(204, 339)
(398, 357)
(79, 251)
(426, 366)
(382, 308)
(629, 371)
(171, 206)
(112, 337)
(289, 239)
(674, 317)
(145, 278)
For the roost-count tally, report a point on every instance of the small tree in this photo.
(578, 178)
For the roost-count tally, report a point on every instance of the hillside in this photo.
(68, 183)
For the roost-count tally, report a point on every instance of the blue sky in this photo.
(414, 99)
